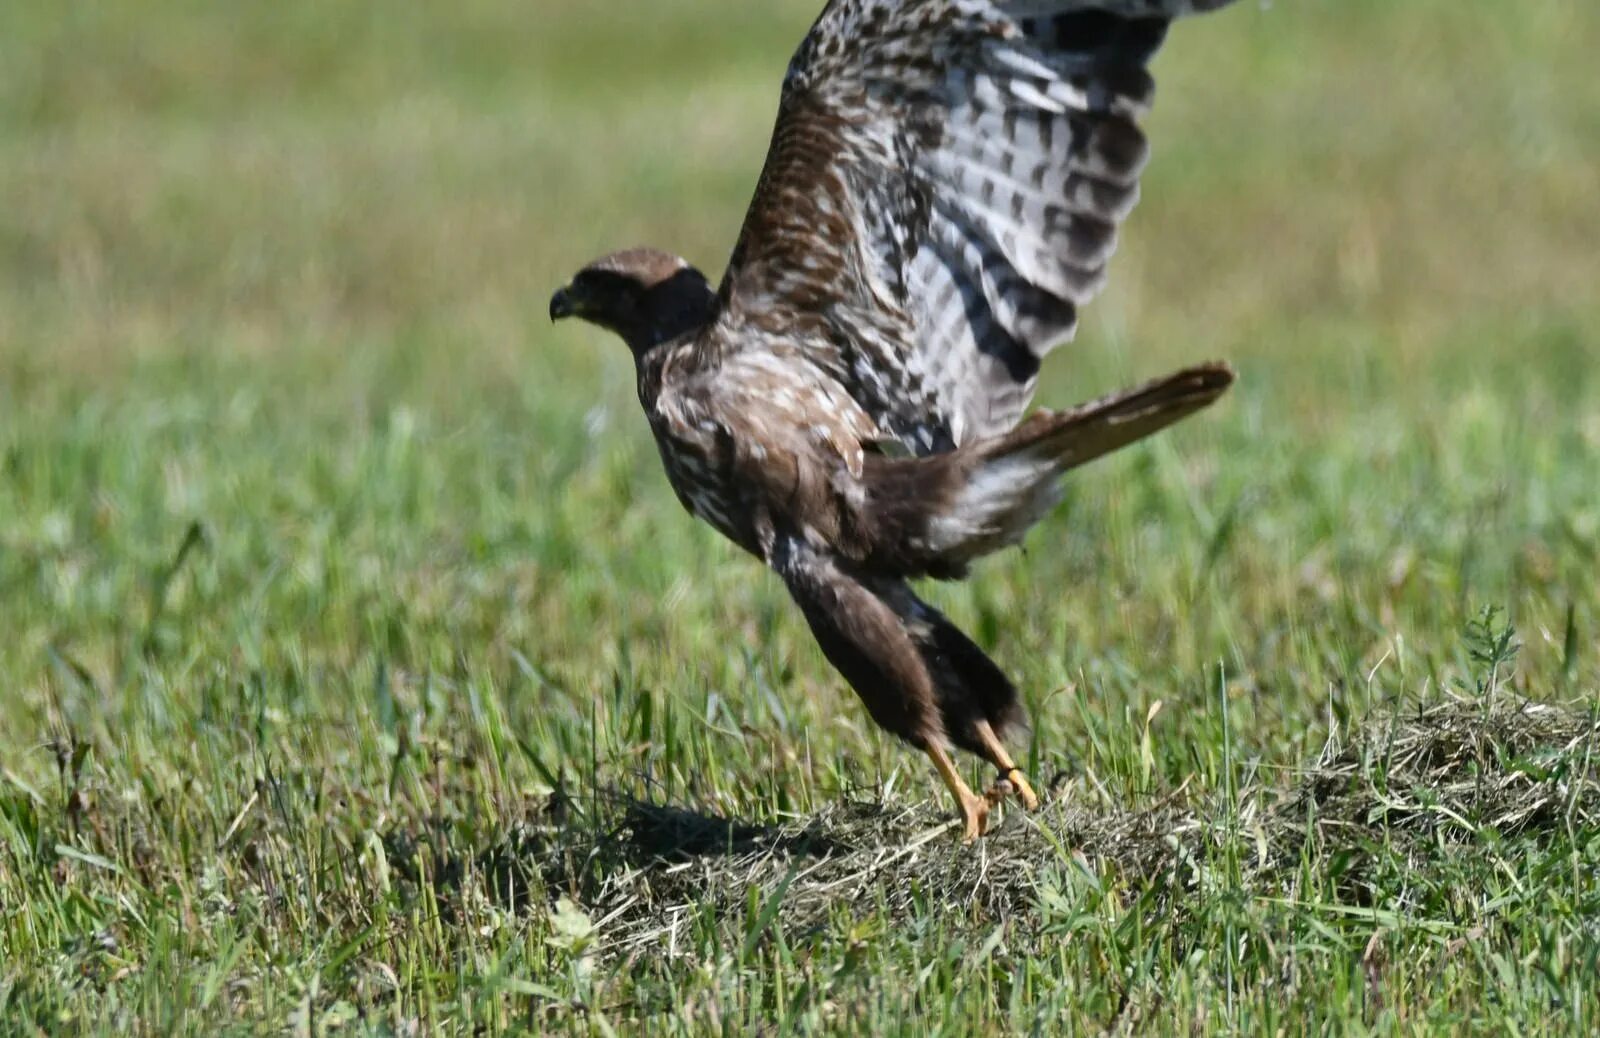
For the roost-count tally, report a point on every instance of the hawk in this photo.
(941, 195)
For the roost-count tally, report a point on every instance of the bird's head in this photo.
(646, 296)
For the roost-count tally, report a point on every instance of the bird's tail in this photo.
(987, 495)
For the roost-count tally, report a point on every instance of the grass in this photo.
(358, 671)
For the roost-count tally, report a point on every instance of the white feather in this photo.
(1000, 501)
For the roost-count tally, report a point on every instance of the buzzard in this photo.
(942, 193)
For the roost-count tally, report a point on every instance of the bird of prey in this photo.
(942, 193)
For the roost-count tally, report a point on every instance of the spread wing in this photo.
(942, 193)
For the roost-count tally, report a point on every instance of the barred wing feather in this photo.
(942, 194)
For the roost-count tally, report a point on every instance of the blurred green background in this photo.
(273, 285)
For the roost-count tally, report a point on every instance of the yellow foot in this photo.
(974, 818)
(1011, 779)
(1013, 785)
(974, 809)
(1017, 782)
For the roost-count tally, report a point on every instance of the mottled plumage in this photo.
(941, 194)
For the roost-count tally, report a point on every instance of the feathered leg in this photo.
(920, 677)
(864, 640)
(977, 702)
(878, 638)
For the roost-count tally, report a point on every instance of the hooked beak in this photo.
(562, 305)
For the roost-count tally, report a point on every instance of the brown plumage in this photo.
(942, 192)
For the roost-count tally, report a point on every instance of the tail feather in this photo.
(985, 496)
(1067, 439)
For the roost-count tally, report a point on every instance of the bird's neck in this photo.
(650, 367)
(682, 304)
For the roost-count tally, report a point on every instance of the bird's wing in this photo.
(942, 193)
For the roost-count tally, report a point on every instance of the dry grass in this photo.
(1451, 774)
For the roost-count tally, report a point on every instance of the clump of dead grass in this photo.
(1453, 771)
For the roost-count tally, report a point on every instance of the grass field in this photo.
(359, 672)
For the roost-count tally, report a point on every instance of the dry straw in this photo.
(1449, 773)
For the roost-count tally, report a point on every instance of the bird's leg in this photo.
(974, 809)
(1009, 772)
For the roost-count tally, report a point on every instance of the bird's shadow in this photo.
(653, 834)
(579, 848)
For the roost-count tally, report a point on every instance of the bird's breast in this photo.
(762, 439)
(696, 459)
